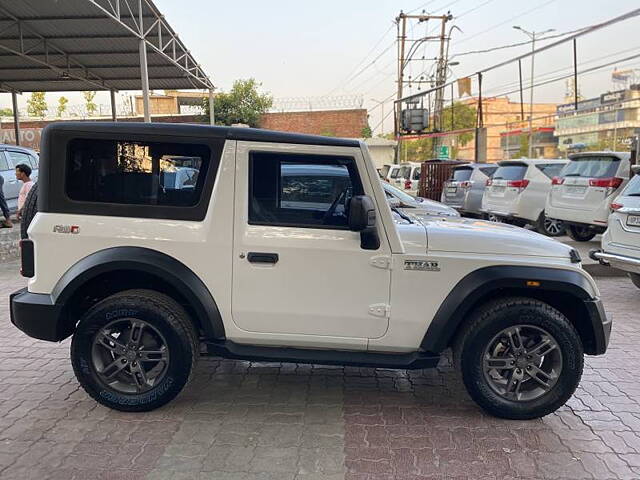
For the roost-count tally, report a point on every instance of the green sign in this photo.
(444, 153)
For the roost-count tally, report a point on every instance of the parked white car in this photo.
(582, 193)
(389, 173)
(270, 256)
(411, 205)
(621, 240)
(408, 178)
(464, 190)
(517, 192)
(10, 157)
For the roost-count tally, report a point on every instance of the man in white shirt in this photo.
(23, 173)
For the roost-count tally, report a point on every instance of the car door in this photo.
(624, 222)
(297, 268)
(11, 186)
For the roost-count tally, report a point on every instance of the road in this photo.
(241, 420)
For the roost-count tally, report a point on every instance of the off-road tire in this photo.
(158, 310)
(635, 279)
(543, 227)
(489, 320)
(29, 210)
(580, 233)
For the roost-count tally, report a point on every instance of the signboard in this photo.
(443, 154)
(612, 97)
(29, 137)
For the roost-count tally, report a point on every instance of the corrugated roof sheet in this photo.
(68, 45)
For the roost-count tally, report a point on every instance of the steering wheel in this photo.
(332, 209)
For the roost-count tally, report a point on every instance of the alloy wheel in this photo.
(522, 363)
(553, 226)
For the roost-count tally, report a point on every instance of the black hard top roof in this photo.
(190, 130)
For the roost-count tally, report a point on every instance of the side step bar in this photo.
(408, 361)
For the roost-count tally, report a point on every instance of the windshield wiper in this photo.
(402, 214)
(572, 175)
(632, 194)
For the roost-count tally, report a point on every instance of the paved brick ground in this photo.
(239, 420)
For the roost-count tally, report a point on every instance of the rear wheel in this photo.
(635, 279)
(520, 358)
(494, 218)
(134, 351)
(551, 227)
(580, 233)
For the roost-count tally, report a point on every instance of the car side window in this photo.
(551, 169)
(16, 158)
(4, 165)
(301, 190)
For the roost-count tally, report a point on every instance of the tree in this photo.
(62, 105)
(242, 104)
(89, 103)
(366, 132)
(6, 112)
(524, 147)
(37, 105)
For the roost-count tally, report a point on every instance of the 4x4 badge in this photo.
(422, 265)
(73, 229)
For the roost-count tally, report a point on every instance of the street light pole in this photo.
(532, 36)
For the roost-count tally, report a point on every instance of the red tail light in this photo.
(465, 184)
(518, 183)
(557, 181)
(489, 182)
(407, 184)
(616, 206)
(613, 182)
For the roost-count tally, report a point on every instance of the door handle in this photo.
(259, 257)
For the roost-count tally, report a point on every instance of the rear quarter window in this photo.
(551, 169)
(488, 171)
(633, 187)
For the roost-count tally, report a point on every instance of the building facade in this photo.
(515, 143)
(607, 122)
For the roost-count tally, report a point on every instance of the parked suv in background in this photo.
(270, 256)
(517, 193)
(463, 191)
(10, 157)
(582, 193)
(621, 240)
(389, 173)
(408, 178)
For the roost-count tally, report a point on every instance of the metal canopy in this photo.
(68, 45)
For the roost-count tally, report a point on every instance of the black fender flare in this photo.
(153, 262)
(482, 282)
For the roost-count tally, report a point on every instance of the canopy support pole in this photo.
(212, 118)
(113, 105)
(144, 73)
(16, 117)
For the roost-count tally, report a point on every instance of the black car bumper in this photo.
(601, 326)
(37, 316)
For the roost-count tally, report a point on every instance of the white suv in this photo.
(621, 240)
(581, 195)
(517, 191)
(464, 190)
(261, 260)
(409, 177)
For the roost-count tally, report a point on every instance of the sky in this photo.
(347, 47)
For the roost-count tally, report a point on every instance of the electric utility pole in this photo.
(441, 73)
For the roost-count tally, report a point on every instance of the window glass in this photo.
(399, 194)
(510, 172)
(4, 165)
(462, 174)
(405, 172)
(633, 187)
(416, 174)
(395, 173)
(35, 160)
(16, 158)
(301, 190)
(551, 169)
(591, 167)
(136, 173)
(384, 171)
(488, 171)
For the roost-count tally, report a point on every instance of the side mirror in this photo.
(362, 218)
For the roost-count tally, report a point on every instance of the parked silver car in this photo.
(10, 157)
(621, 240)
(416, 205)
(463, 191)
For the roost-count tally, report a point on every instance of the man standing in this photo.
(23, 173)
(6, 223)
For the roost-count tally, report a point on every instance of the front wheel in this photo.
(551, 227)
(520, 358)
(580, 233)
(134, 351)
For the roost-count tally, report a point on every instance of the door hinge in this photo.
(381, 261)
(380, 310)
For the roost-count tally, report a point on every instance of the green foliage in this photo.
(366, 132)
(37, 105)
(6, 112)
(524, 147)
(328, 132)
(89, 103)
(62, 105)
(242, 104)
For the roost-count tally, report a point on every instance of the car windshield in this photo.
(591, 167)
(399, 194)
(633, 187)
(510, 172)
(461, 174)
(416, 174)
(404, 172)
(394, 172)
